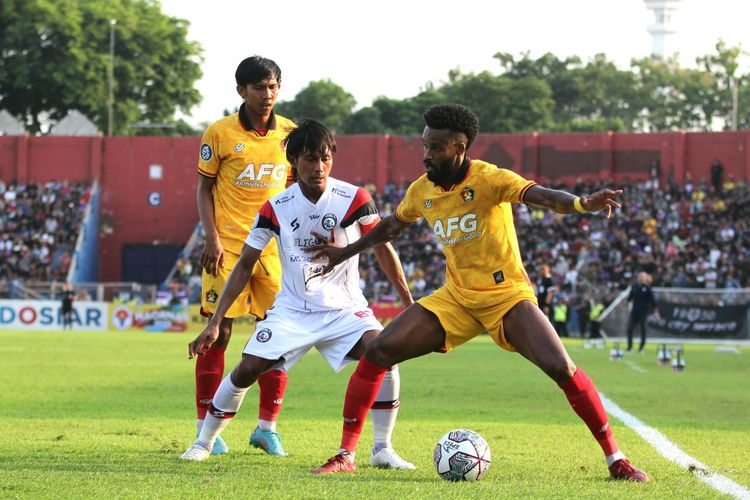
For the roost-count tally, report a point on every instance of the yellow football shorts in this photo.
(462, 323)
(257, 296)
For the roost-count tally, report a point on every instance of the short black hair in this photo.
(454, 117)
(309, 136)
(256, 68)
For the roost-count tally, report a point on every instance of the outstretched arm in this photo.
(391, 266)
(238, 278)
(383, 232)
(565, 203)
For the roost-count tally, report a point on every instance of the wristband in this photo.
(577, 205)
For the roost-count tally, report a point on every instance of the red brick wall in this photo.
(122, 166)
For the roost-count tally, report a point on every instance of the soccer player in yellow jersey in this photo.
(468, 204)
(242, 164)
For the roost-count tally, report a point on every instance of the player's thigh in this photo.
(264, 284)
(343, 335)
(212, 286)
(415, 332)
(530, 332)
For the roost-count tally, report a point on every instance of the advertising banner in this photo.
(150, 317)
(47, 315)
(699, 321)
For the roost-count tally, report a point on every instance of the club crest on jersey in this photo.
(206, 152)
(427, 203)
(329, 221)
(211, 296)
(239, 147)
(263, 336)
(467, 194)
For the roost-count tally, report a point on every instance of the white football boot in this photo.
(196, 453)
(388, 458)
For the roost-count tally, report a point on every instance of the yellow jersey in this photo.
(249, 169)
(473, 221)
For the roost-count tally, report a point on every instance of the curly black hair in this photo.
(454, 117)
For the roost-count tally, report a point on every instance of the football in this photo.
(462, 455)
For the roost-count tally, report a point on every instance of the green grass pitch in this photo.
(106, 415)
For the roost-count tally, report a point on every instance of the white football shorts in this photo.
(289, 334)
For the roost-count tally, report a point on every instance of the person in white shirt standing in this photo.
(314, 309)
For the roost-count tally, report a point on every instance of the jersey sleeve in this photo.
(266, 226)
(208, 158)
(508, 186)
(408, 210)
(363, 211)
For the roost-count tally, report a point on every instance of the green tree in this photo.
(55, 57)
(322, 100)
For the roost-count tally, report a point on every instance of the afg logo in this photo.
(122, 317)
(206, 152)
(263, 335)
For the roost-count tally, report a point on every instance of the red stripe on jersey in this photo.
(267, 218)
(525, 188)
(369, 227)
(206, 174)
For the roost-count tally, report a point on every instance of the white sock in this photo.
(384, 419)
(614, 457)
(267, 425)
(199, 424)
(228, 398)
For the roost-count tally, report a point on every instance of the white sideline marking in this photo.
(635, 367)
(669, 450)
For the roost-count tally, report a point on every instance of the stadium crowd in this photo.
(683, 235)
(39, 225)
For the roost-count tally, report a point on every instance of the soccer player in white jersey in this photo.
(325, 311)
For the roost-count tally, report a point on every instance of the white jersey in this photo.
(345, 210)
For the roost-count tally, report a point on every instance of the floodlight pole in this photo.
(111, 75)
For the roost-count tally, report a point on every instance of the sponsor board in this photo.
(47, 315)
(149, 317)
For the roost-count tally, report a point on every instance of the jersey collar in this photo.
(245, 121)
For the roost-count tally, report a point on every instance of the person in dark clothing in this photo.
(66, 307)
(545, 290)
(717, 176)
(643, 304)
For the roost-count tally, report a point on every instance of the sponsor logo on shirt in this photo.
(467, 194)
(211, 296)
(341, 193)
(427, 203)
(499, 277)
(295, 225)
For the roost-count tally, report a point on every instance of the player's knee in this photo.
(378, 353)
(247, 371)
(561, 369)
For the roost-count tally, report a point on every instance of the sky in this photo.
(393, 48)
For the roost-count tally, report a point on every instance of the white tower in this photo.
(662, 26)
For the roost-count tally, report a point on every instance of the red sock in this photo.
(209, 369)
(585, 401)
(272, 386)
(360, 395)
